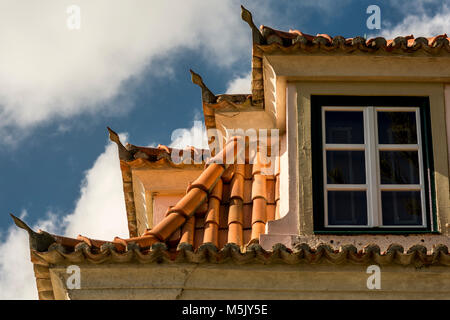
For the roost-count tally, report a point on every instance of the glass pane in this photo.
(401, 208)
(397, 127)
(399, 167)
(347, 208)
(346, 167)
(344, 127)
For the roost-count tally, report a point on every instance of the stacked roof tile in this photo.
(227, 203)
(297, 41)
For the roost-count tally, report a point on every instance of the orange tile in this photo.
(247, 216)
(277, 166)
(239, 169)
(198, 238)
(277, 210)
(236, 211)
(174, 239)
(259, 186)
(247, 235)
(208, 177)
(201, 211)
(235, 234)
(432, 40)
(248, 191)
(190, 202)
(277, 188)
(223, 237)
(143, 241)
(261, 162)
(223, 217)
(270, 212)
(199, 223)
(228, 174)
(187, 231)
(270, 191)
(167, 226)
(226, 193)
(326, 36)
(213, 211)
(217, 190)
(259, 210)
(237, 187)
(248, 171)
(229, 150)
(211, 233)
(257, 229)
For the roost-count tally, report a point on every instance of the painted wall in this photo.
(251, 281)
(354, 75)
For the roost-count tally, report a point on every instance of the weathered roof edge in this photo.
(415, 256)
(132, 156)
(46, 251)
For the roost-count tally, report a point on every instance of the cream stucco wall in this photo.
(148, 183)
(356, 74)
(250, 281)
(438, 128)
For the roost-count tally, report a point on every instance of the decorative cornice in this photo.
(207, 95)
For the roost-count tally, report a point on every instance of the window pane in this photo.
(399, 167)
(401, 208)
(397, 127)
(344, 127)
(347, 208)
(346, 167)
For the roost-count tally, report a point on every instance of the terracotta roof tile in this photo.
(302, 253)
(235, 234)
(259, 187)
(295, 40)
(259, 210)
(270, 193)
(247, 210)
(223, 218)
(187, 233)
(213, 211)
(222, 205)
(270, 212)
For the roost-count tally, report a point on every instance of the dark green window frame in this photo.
(319, 101)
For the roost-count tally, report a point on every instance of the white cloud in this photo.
(421, 24)
(16, 271)
(240, 85)
(99, 213)
(196, 136)
(49, 72)
(193, 137)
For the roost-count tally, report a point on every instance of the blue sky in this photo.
(54, 133)
(43, 171)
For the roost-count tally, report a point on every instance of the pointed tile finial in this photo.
(124, 154)
(207, 95)
(39, 241)
(256, 34)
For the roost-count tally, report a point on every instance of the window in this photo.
(371, 164)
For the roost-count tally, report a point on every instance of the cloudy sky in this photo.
(127, 67)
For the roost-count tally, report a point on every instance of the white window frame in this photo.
(372, 148)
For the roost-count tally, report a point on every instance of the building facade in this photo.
(329, 181)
